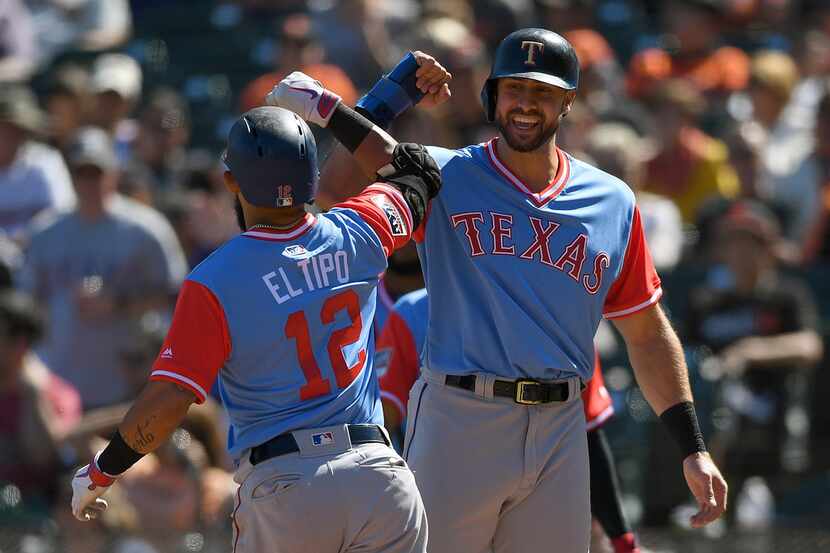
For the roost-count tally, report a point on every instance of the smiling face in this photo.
(528, 112)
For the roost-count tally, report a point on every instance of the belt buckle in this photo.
(521, 385)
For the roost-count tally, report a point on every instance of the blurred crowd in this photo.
(112, 118)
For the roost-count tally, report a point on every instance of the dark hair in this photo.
(20, 316)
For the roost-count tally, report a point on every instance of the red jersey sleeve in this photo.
(197, 344)
(396, 346)
(384, 209)
(638, 285)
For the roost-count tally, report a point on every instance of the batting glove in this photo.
(304, 96)
(88, 485)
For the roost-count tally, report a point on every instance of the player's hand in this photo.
(88, 485)
(708, 487)
(304, 96)
(432, 79)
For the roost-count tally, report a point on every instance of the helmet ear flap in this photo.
(488, 99)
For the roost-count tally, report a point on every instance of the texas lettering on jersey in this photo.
(500, 227)
(519, 280)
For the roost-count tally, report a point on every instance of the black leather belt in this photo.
(285, 443)
(524, 391)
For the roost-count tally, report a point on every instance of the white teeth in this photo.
(524, 122)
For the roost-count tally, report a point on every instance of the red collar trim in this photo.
(563, 173)
(281, 235)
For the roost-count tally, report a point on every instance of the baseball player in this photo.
(397, 362)
(282, 315)
(524, 251)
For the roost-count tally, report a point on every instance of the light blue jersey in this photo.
(518, 281)
(284, 318)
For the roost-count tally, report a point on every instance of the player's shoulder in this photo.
(583, 174)
(411, 300)
(413, 309)
(218, 264)
(444, 156)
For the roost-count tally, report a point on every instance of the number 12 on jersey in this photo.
(296, 327)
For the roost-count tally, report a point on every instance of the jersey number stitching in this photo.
(296, 327)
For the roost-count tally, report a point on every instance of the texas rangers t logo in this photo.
(532, 48)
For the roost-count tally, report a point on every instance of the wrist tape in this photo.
(393, 94)
(682, 423)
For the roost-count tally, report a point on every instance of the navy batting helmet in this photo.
(273, 156)
(536, 54)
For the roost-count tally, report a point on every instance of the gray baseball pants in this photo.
(496, 476)
(337, 498)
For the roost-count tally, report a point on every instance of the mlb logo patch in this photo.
(295, 250)
(396, 222)
(323, 438)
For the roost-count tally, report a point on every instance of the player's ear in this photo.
(567, 102)
(230, 182)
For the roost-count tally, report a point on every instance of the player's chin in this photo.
(525, 141)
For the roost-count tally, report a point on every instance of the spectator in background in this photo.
(773, 78)
(67, 103)
(355, 37)
(299, 49)
(79, 25)
(116, 86)
(158, 151)
(37, 408)
(95, 269)
(690, 167)
(205, 199)
(10, 260)
(618, 150)
(33, 177)
(816, 245)
(692, 52)
(600, 74)
(459, 121)
(761, 329)
(17, 42)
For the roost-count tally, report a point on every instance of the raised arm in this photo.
(417, 79)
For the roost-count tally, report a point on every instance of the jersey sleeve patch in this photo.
(197, 344)
(638, 285)
(383, 208)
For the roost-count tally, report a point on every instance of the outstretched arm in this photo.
(417, 79)
(156, 413)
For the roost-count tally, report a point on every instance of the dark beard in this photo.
(524, 147)
(240, 215)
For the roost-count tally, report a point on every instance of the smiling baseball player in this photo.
(524, 251)
(282, 316)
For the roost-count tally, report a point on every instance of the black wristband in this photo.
(117, 457)
(349, 127)
(681, 421)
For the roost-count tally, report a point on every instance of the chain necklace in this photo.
(273, 227)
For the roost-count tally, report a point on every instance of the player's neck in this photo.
(281, 218)
(536, 168)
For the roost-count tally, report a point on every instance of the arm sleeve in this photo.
(198, 343)
(383, 208)
(638, 285)
(402, 362)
